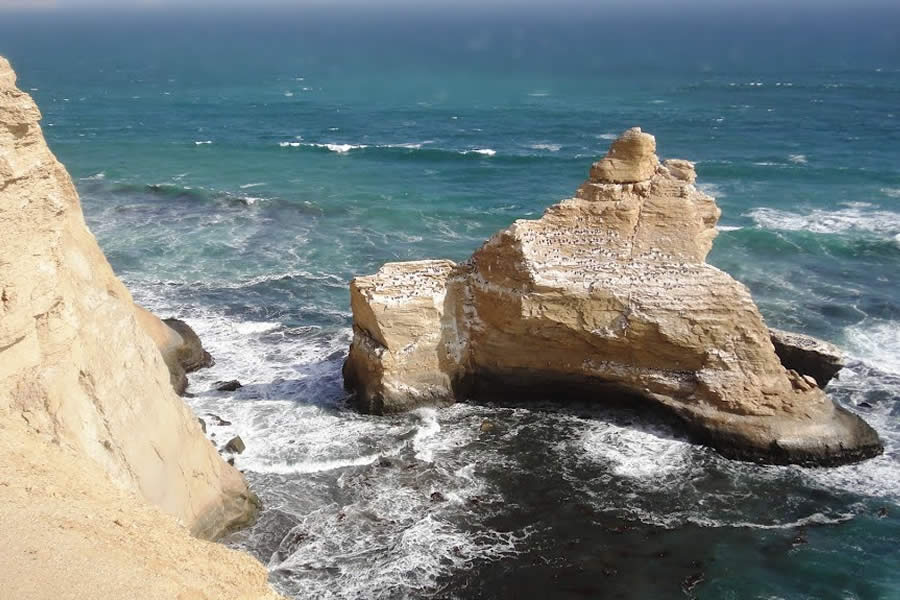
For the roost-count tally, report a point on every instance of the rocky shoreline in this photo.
(607, 295)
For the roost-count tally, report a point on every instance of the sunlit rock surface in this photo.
(607, 295)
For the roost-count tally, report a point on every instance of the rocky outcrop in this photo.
(607, 295)
(178, 344)
(807, 355)
(77, 368)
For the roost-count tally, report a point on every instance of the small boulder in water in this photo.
(191, 354)
(217, 420)
(692, 581)
(437, 497)
(202, 424)
(228, 386)
(487, 426)
(235, 445)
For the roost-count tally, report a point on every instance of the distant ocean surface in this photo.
(238, 172)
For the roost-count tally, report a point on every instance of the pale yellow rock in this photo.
(75, 366)
(631, 158)
(69, 533)
(609, 289)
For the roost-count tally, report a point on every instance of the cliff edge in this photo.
(607, 296)
(75, 365)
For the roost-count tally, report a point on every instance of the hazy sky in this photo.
(124, 5)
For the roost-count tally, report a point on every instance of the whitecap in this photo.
(846, 220)
(252, 185)
(202, 143)
(539, 94)
(482, 151)
(337, 148)
(95, 177)
(607, 136)
(712, 189)
(288, 94)
(723, 228)
(547, 147)
(250, 200)
(891, 192)
(875, 342)
(251, 327)
(799, 159)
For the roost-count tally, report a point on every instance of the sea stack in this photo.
(607, 296)
(77, 368)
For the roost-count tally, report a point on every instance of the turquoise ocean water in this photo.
(238, 170)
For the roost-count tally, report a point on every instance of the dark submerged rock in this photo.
(217, 420)
(228, 386)
(235, 445)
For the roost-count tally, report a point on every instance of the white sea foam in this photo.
(95, 177)
(547, 147)
(891, 192)
(712, 189)
(876, 342)
(250, 200)
(289, 94)
(636, 453)
(607, 136)
(252, 185)
(729, 227)
(799, 159)
(250, 327)
(429, 428)
(482, 151)
(202, 142)
(847, 220)
(311, 466)
(539, 93)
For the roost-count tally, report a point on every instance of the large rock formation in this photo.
(75, 365)
(607, 295)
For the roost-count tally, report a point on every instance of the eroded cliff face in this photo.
(75, 365)
(608, 294)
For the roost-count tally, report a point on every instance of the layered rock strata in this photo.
(77, 368)
(607, 295)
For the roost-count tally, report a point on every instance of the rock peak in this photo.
(7, 75)
(631, 158)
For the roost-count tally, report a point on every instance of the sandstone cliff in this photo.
(607, 295)
(76, 367)
(69, 533)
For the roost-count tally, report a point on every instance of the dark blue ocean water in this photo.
(239, 169)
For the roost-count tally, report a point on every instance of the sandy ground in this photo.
(67, 533)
